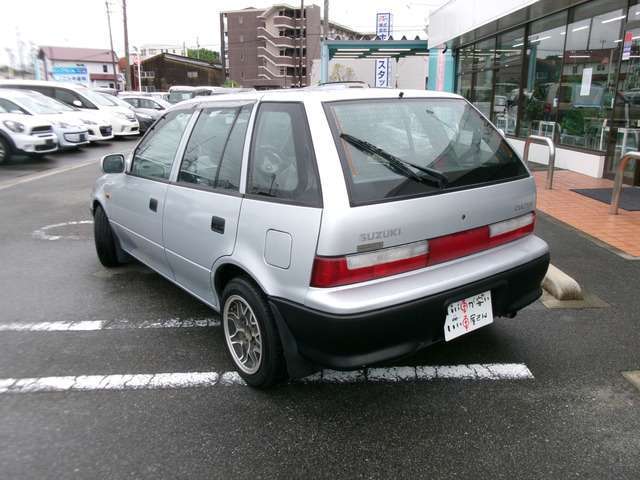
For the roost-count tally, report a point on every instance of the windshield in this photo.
(396, 148)
(99, 98)
(178, 96)
(36, 106)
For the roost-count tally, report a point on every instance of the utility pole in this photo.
(301, 24)
(113, 54)
(325, 24)
(198, 48)
(126, 45)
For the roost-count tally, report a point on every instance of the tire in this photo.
(105, 241)
(270, 368)
(5, 151)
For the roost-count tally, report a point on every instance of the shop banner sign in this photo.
(383, 31)
(76, 74)
(585, 87)
(626, 48)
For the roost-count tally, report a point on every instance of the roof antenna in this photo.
(401, 94)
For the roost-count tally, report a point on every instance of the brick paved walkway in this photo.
(621, 231)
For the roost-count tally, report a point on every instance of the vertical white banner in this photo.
(383, 32)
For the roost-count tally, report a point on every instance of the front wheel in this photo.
(251, 335)
(5, 151)
(104, 238)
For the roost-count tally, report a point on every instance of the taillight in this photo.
(360, 267)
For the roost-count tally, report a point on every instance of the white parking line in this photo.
(120, 324)
(157, 381)
(41, 233)
(38, 176)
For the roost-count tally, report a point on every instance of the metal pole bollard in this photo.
(539, 140)
(617, 183)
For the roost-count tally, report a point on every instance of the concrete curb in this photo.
(561, 285)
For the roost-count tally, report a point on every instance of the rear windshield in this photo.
(401, 147)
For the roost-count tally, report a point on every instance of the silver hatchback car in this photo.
(329, 227)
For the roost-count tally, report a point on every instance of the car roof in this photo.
(44, 83)
(318, 93)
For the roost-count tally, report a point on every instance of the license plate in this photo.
(49, 141)
(468, 315)
(83, 137)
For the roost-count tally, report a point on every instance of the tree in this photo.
(203, 54)
(229, 83)
(341, 73)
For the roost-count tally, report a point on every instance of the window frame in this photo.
(314, 167)
(179, 150)
(197, 114)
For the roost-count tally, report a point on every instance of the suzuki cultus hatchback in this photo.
(329, 227)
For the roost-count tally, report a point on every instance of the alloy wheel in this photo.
(242, 333)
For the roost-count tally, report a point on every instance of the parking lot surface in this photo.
(553, 404)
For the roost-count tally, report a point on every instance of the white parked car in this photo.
(71, 132)
(26, 134)
(123, 121)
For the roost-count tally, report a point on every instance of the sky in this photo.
(83, 23)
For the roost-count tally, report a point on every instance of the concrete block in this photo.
(561, 285)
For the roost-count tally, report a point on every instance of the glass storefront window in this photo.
(482, 94)
(507, 85)
(545, 48)
(586, 94)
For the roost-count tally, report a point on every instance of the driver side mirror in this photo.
(113, 163)
(77, 103)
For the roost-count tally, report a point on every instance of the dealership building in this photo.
(565, 69)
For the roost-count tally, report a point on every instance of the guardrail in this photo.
(538, 140)
(617, 183)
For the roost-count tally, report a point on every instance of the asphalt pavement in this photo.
(577, 417)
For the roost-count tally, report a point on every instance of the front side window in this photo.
(213, 156)
(132, 101)
(399, 148)
(155, 153)
(69, 96)
(282, 160)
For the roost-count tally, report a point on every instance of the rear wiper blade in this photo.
(398, 165)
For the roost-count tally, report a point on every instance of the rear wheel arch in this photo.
(227, 272)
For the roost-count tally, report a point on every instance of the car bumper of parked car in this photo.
(73, 139)
(351, 341)
(100, 133)
(124, 129)
(36, 143)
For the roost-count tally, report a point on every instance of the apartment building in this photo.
(274, 47)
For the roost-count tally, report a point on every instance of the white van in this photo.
(123, 120)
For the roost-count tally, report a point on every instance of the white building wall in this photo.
(461, 16)
(581, 162)
(412, 71)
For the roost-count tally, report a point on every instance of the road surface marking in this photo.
(41, 233)
(158, 381)
(48, 173)
(119, 324)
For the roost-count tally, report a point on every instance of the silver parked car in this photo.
(329, 227)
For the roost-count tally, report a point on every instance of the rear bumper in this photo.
(354, 340)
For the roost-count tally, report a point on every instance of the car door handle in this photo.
(153, 204)
(217, 224)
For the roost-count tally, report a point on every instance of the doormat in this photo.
(629, 198)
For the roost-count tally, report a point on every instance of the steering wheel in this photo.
(272, 163)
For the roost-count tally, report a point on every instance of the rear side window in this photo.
(398, 148)
(282, 165)
(156, 152)
(213, 156)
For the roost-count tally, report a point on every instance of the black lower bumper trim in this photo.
(352, 341)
